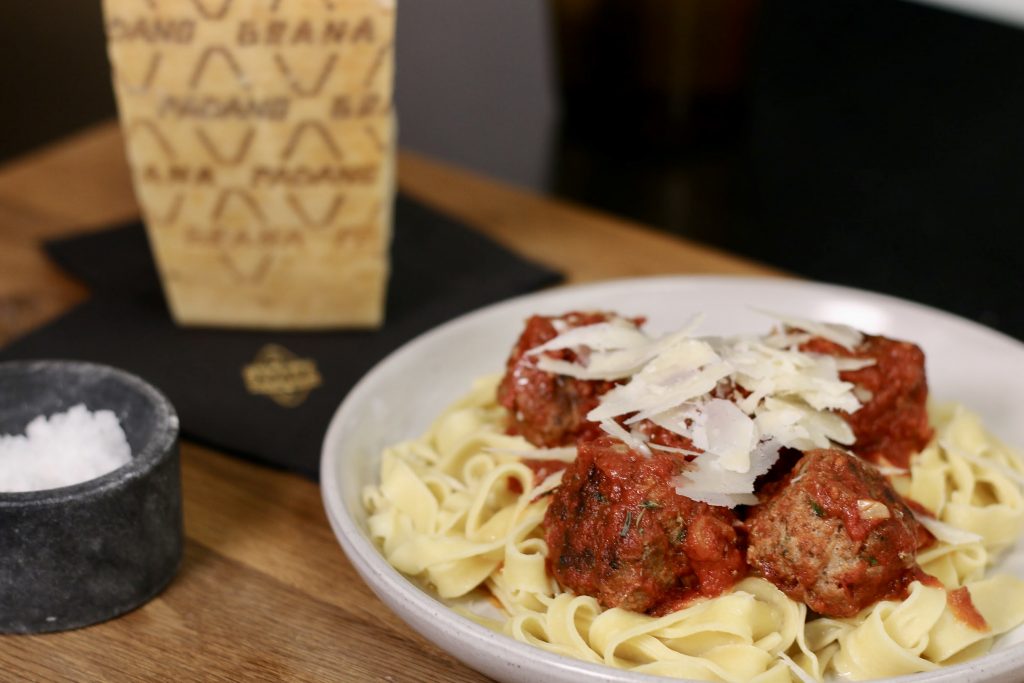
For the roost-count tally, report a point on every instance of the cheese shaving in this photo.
(706, 481)
(853, 364)
(795, 668)
(890, 471)
(781, 396)
(844, 335)
(617, 357)
(618, 431)
(672, 449)
(872, 509)
(727, 432)
(947, 533)
(616, 333)
(550, 483)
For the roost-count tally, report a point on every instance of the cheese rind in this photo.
(261, 139)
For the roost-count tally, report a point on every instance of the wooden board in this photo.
(265, 591)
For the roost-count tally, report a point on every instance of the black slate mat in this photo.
(296, 380)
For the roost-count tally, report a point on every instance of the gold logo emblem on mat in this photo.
(280, 375)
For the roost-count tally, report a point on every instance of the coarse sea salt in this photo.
(64, 449)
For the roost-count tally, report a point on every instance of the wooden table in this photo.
(265, 591)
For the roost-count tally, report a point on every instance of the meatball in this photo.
(834, 534)
(617, 530)
(892, 425)
(549, 410)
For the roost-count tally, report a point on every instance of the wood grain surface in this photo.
(265, 592)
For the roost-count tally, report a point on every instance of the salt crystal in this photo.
(64, 449)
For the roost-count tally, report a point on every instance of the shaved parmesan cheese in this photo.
(729, 434)
(708, 482)
(863, 395)
(763, 370)
(799, 426)
(853, 364)
(614, 334)
(618, 431)
(550, 483)
(786, 338)
(872, 509)
(890, 471)
(947, 533)
(796, 669)
(614, 350)
(683, 370)
(779, 396)
(648, 400)
(672, 449)
(569, 369)
(843, 335)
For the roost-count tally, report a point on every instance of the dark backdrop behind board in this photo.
(54, 75)
(878, 143)
(890, 135)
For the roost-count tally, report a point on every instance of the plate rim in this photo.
(420, 604)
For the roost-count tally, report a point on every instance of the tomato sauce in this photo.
(542, 469)
(963, 608)
(893, 424)
(839, 538)
(618, 531)
(550, 410)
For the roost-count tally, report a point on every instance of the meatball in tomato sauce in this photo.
(617, 530)
(834, 534)
(547, 409)
(892, 424)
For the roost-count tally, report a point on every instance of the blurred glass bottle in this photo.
(671, 70)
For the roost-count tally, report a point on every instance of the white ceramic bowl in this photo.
(403, 394)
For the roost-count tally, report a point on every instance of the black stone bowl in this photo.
(81, 554)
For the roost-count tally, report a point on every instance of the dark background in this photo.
(875, 143)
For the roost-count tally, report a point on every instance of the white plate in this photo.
(403, 394)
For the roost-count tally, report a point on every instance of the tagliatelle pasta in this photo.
(445, 513)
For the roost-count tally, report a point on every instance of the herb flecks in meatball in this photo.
(834, 534)
(617, 530)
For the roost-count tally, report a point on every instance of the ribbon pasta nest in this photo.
(769, 509)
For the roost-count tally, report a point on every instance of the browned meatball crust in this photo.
(834, 534)
(617, 530)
